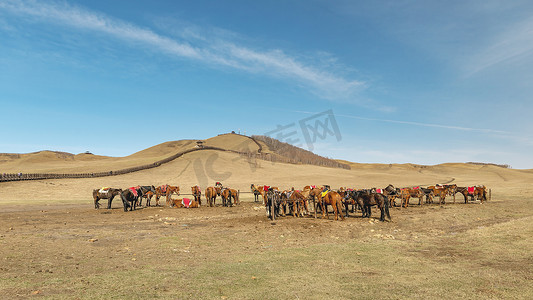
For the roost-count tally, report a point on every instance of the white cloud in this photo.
(512, 44)
(276, 63)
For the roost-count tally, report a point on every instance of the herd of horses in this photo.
(296, 202)
(133, 196)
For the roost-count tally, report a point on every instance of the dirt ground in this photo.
(72, 251)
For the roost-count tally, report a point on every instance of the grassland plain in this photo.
(55, 245)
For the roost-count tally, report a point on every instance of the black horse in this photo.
(352, 198)
(144, 194)
(108, 193)
(273, 203)
(130, 197)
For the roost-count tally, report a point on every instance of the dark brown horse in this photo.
(105, 193)
(370, 199)
(352, 198)
(197, 193)
(129, 197)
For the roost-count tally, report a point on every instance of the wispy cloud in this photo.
(483, 130)
(512, 44)
(275, 62)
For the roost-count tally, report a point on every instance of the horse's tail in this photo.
(124, 201)
(339, 207)
(387, 204)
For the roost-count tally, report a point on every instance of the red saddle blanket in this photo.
(134, 191)
(379, 191)
(471, 189)
(186, 202)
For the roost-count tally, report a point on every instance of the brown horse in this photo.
(197, 193)
(408, 193)
(263, 189)
(300, 202)
(439, 191)
(235, 196)
(333, 199)
(451, 190)
(165, 190)
(314, 194)
(105, 193)
(210, 195)
(179, 203)
(292, 202)
(148, 195)
(227, 194)
(475, 193)
(257, 191)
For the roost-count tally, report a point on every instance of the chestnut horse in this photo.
(165, 190)
(439, 191)
(227, 194)
(333, 199)
(179, 203)
(256, 191)
(105, 193)
(408, 193)
(210, 195)
(197, 193)
(301, 202)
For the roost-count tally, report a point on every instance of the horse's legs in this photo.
(96, 204)
(109, 201)
(346, 206)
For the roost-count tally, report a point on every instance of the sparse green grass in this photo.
(483, 257)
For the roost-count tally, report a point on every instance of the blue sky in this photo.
(425, 82)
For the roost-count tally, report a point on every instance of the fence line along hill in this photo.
(296, 155)
(56, 165)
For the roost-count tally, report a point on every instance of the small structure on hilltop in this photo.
(199, 144)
